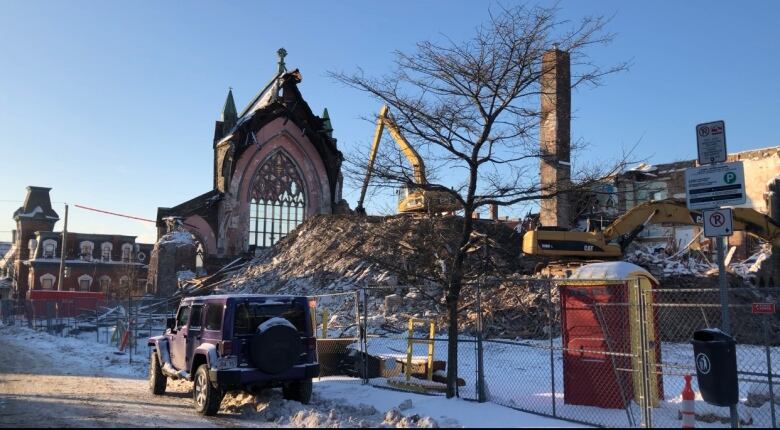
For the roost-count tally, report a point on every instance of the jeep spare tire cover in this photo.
(276, 346)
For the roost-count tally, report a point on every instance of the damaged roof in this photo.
(200, 205)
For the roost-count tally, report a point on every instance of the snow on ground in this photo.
(518, 375)
(78, 356)
(337, 402)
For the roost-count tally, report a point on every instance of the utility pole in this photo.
(63, 249)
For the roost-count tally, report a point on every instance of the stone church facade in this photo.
(276, 163)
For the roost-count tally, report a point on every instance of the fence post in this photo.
(550, 316)
(364, 334)
(647, 402)
(765, 320)
(481, 397)
(130, 328)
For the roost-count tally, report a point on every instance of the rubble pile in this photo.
(399, 256)
(664, 265)
(403, 264)
(330, 254)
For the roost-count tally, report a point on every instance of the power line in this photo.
(115, 214)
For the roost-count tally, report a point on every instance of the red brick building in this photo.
(114, 264)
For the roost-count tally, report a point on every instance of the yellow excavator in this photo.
(611, 242)
(411, 199)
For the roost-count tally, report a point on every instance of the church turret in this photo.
(229, 115)
(326, 125)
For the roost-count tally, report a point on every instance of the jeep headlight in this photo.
(227, 362)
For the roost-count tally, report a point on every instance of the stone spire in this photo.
(326, 125)
(229, 115)
(282, 53)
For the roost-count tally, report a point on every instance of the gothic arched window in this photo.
(276, 201)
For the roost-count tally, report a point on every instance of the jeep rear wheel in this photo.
(157, 381)
(299, 391)
(206, 397)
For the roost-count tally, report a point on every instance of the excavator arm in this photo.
(628, 226)
(418, 167)
(380, 125)
(557, 243)
(384, 120)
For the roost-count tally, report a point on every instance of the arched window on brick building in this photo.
(277, 201)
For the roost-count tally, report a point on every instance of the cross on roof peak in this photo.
(282, 53)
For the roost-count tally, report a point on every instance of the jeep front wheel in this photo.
(157, 381)
(298, 390)
(206, 397)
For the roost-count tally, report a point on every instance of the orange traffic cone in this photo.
(688, 409)
(123, 343)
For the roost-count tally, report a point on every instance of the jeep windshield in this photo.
(251, 315)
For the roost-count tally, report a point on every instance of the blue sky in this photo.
(113, 104)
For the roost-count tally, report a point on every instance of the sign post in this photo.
(718, 223)
(708, 188)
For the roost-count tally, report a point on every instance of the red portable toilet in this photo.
(601, 323)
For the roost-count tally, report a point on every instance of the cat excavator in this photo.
(411, 199)
(612, 241)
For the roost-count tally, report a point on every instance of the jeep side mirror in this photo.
(170, 323)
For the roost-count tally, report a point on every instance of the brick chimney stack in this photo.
(494, 212)
(555, 137)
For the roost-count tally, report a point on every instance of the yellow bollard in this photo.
(409, 350)
(431, 335)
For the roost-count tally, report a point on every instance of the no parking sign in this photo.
(718, 222)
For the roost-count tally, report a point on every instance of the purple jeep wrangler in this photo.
(237, 341)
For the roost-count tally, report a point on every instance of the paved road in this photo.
(37, 392)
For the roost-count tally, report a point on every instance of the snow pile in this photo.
(71, 352)
(177, 237)
(322, 412)
(338, 403)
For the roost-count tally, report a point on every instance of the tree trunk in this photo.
(453, 296)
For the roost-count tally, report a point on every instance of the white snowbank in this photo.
(343, 402)
(77, 356)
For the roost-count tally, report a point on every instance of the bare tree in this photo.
(473, 107)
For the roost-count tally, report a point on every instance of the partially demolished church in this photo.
(276, 163)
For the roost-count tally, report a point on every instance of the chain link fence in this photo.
(124, 324)
(680, 313)
(610, 353)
